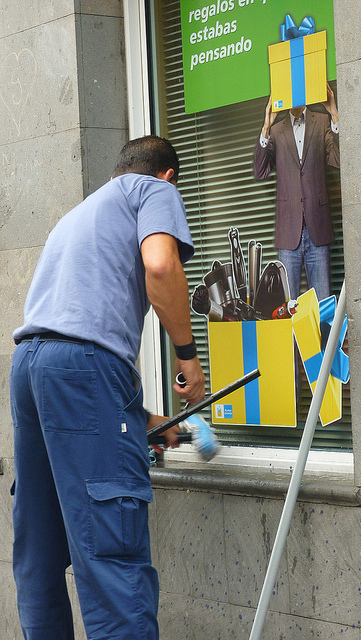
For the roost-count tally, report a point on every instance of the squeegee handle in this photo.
(182, 437)
(197, 406)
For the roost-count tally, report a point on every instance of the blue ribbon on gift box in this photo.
(289, 31)
(250, 362)
(340, 366)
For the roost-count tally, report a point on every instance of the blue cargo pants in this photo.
(81, 493)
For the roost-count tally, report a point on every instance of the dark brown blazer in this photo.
(301, 186)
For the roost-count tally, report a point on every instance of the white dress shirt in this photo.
(299, 127)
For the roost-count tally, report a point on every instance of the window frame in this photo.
(149, 362)
(150, 358)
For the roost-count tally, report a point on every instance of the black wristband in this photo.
(186, 351)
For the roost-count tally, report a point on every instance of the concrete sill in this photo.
(323, 488)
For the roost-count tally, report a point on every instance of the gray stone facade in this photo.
(212, 547)
(63, 115)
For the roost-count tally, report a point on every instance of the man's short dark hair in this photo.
(148, 156)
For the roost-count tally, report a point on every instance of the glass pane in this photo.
(216, 149)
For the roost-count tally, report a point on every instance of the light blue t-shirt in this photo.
(90, 282)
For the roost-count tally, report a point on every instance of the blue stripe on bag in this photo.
(313, 366)
(250, 362)
(298, 72)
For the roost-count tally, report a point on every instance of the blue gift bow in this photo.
(340, 367)
(289, 30)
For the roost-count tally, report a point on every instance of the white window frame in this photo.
(139, 125)
(150, 363)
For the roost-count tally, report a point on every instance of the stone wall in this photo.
(63, 115)
(212, 546)
(348, 58)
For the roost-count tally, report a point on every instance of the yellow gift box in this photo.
(298, 71)
(306, 327)
(239, 347)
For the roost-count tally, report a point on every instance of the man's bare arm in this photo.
(269, 118)
(167, 290)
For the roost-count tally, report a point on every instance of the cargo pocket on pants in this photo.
(118, 520)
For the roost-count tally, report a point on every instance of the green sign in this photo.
(225, 46)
